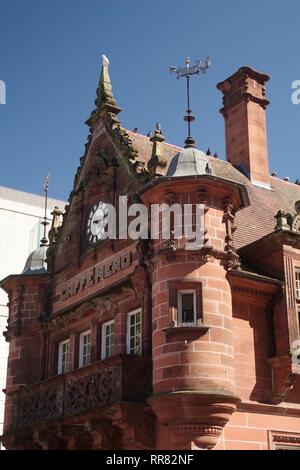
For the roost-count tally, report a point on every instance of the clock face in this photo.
(97, 222)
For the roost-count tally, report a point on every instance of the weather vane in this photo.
(200, 66)
(45, 222)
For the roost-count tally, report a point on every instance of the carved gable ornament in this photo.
(289, 221)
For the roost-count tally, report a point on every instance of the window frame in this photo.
(179, 307)
(81, 346)
(185, 285)
(60, 357)
(103, 339)
(297, 283)
(128, 337)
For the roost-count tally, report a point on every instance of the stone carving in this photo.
(125, 145)
(232, 258)
(55, 226)
(76, 395)
(98, 389)
(41, 406)
(282, 438)
(287, 221)
(158, 162)
(137, 428)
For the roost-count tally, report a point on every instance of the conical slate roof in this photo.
(190, 162)
(36, 263)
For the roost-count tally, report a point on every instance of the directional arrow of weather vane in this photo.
(200, 66)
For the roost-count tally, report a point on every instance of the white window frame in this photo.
(128, 337)
(84, 358)
(297, 283)
(179, 307)
(103, 339)
(63, 367)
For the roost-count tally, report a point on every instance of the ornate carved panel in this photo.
(82, 390)
(44, 405)
(284, 440)
(98, 389)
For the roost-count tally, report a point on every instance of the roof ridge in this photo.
(284, 181)
(146, 137)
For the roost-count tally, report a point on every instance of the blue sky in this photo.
(50, 59)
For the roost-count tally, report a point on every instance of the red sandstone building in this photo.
(101, 355)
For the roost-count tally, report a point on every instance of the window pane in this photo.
(134, 333)
(187, 307)
(63, 357)
(108, 339)
(85, 349)
(297, 276)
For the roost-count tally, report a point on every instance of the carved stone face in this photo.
(96, 223)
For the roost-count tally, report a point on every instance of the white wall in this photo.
(20, 233)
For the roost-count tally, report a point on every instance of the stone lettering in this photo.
(98, 273)
(107, 270)
(95, 275)
(116, 266)
(90, 278)
(125, 260)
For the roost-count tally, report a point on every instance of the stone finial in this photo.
(157, 162)
(104, 100)
(55, 226)
(104, 90)
(282, 219)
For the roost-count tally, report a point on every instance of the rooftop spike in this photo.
(104, 100)
(157, 162)
(187, 71)
(44, 240)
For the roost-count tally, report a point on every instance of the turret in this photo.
(192, 344)
(194, 391)
(28, 303)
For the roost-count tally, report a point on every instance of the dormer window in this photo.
(186, 307)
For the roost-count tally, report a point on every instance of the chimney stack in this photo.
(244, 106)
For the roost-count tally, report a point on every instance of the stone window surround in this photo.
(81, 346)
(60, 354)
(174, 287)
(179, 306)
(297, 283)
(96, 343)
(283, 440)
(129, 315)
(103, 337)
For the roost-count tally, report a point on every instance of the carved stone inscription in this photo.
(94, 275)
